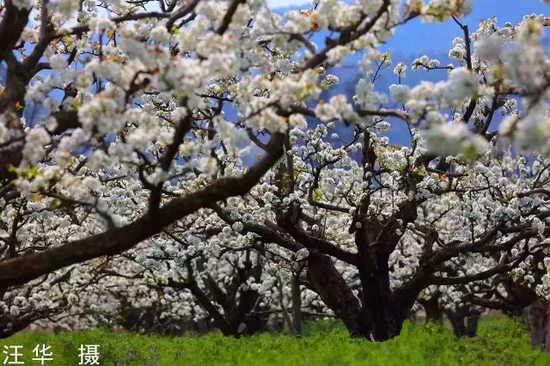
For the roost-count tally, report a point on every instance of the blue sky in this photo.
(418, 37)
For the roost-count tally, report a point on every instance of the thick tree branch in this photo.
(23, 269)
(229, 15)
(13, 22)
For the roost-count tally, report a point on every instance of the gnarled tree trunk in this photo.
(433, 311)
(376, 317)
(296, 304)
(537, 318)
(464, 322)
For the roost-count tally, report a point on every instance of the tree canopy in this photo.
(188, 162)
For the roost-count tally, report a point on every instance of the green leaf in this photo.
(470, 153)
(317, 194)
(55, 204)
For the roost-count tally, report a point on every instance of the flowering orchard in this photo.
(188, 174)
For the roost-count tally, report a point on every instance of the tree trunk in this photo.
(537, 318)
(387, 316)
(464, 322)
(472, 323)
(296, 304)
(334, 291)
(457, 322)
(432, 309)
(378, 319)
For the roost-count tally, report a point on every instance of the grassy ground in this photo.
(501, 342)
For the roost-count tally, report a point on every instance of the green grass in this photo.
(500, 342)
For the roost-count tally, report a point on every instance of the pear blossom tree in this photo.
(502, 50)
(188, 164)
(132, 95)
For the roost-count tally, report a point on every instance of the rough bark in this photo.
(537, 318)
(296, 304)
(378, 319)
(433, 311)
(464, 322)
(13, 22)
(335, 292)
